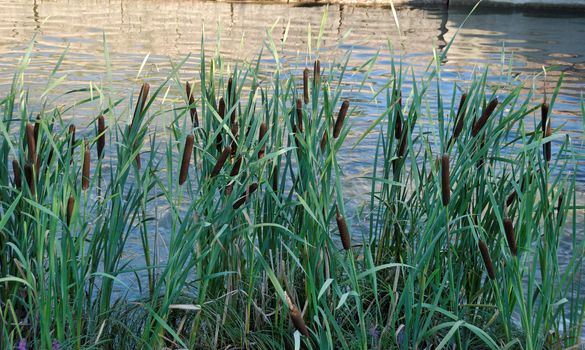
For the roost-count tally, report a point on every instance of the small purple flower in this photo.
(21, 345)
(374, 332)
(55, 345)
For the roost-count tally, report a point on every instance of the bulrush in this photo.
(509, 229)
(459, 121)
(235, 129)
(544, 116)
(16, 170)
(70, 207)
(263, 131)
(85, 172)
(398, 126)
(219, 141)
(234, 172)
(511, 198)
(343, 230)
(485, 255)
(30, 180)
(186, 157)
(547, 146)
(141, 103)
(306, 85)
(340, 118)
(101, 140)
(316, 72)
(275, 179)
(251, 189)
(445, 179)
(403, 142)
(324, 141)
(296, 316)
(487, 112)
(230, 91)
(138, 161)
(300, 114)
(221, 108)
(221, 161)
(32, 147)
(192, 109)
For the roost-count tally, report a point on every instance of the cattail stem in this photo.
(70, 207)
(509, 229)
(306, 85)
(343, 230)
(485, 255)
(445, 179)
(460, 117)
(340, 119)
(487, 112)
(296, 317)
(221, 161)
(186, 157)
(101, 140)
(86, 165)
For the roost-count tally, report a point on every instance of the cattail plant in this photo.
(544, 116)
(340, 118)
(275, 179)
(30, 140)
(192, 109)
(316, 72)
(70, 207)
(30, 180)
(296, 317)
(547, 146)
(306, 85)
(299, 115)
(221, 108)
(487, 112)
(445, 179)
(459, 121)
(234, 172)
(485, 255)
(235, 129)
(403, 142)
(251, 189)
(221, 161)
(509, 229)
(37, 127)
(398, 126)
(85, 172)
(186, 157)
(71, 140)
(141, 103)
(343, 230)
(324, 141)
(510, 198)
(219, 142)
(101, 140)
(262, 133)
(16, 171)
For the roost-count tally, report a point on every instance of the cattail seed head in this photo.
(485, 255)
(251, 189)
(487, 112)
(192, 110)
(189, 141)
(30, 140)
(230, 91)
(324, 141)
(544, 116)
(460, 117)
(141, 103)
(101, 140)
(138, 161)
(296, 317)
(509, 229)
(16, 171)
(403, 142)
(37, 127)
(236, 168)
(219, 142)
(70, 207)
(511, 198)
(445, 179)
(29, 175)
(306, 85)
(221, 108)
(71, 140)
(340, 119)
(398, 126)
(221, 161)
(343, 230)
(263, 131)
(275, 179)
(85, 172)
(547, 146)
(300, 115)
(316, 72)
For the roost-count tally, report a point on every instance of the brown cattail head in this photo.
(275, 179)
(138, 161)
(460, 117)
(398, 126)
(221, 161)
(343, 230)
(141, 103)
(219, 141)
(485, 255)
(236, 168)
(306, 85)
(263, 131)
(230, 91)
(101, 140)
(445, 179)
(509, 229)
(30, 140)
(324, 140)
(70, 207)
(403, 142)
(299, 115)
(186, 157)
(316, 72)
(340, 118)
(487, 112)
(544, 116)
(85, 172)
(251, 189)
(71, 140)
(16, 171)
(29, 175)
(296, 317)
(221, 108)
(511, 198)
(547, 146)
(37, 127)
(192, 110)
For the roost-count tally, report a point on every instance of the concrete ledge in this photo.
(522, 3)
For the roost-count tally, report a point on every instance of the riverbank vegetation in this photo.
(230, 228)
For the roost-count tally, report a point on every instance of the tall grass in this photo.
(463, 232)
